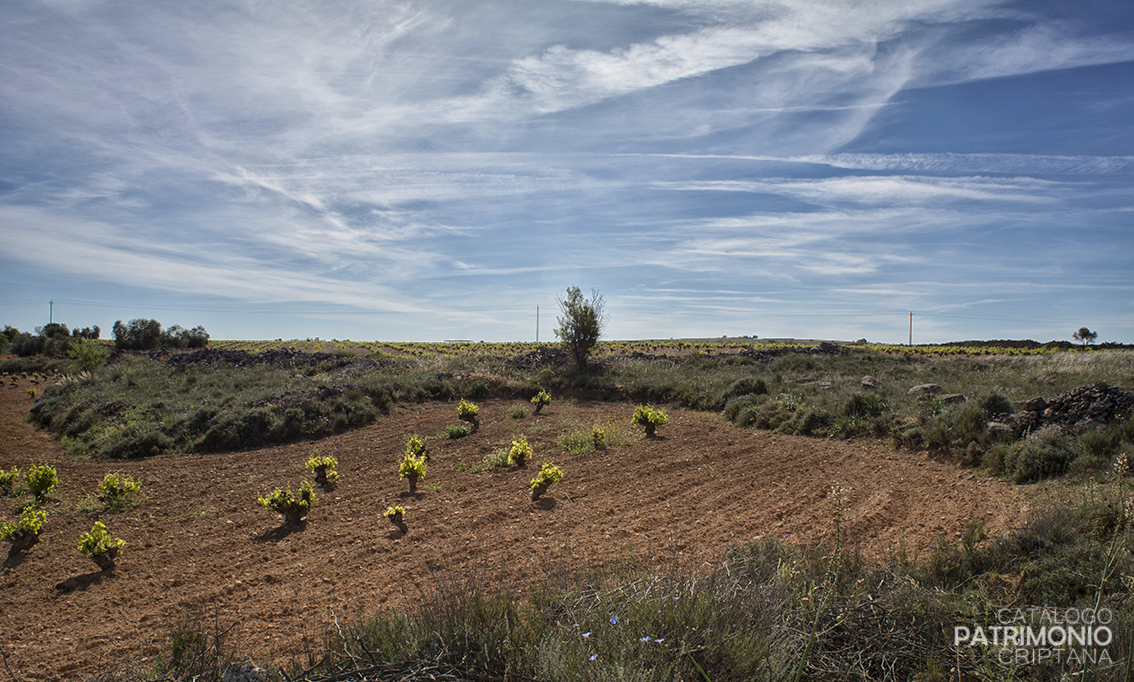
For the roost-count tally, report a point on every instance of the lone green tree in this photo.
(582, 322)
(1085, 335)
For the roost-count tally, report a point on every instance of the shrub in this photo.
(479, 389)
(467, 412)
(41, 480)
(649, 418)
(8, 480)
(994, 405)
(323, 467)
(1043, 454)
(412, 469)
(23, 534)
(745, 387)
(292, 509)
(516, 412)
(859, 405)
(548, 475)
(540, 400)
(520, 453)
(118, 491)
(100, 546)
(598, 438)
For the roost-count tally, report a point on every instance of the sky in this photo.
(423, 170)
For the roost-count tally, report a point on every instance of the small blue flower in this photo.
(614, 620)
(659, 641)
(593, 657)
(586, 634)
(645, 639)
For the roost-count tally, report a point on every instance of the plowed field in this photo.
(200, 547)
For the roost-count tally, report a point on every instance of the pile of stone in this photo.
(541, 357)
(1073, 412)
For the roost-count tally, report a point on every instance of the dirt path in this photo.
(200, 547)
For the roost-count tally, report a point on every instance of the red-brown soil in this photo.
(200, 547)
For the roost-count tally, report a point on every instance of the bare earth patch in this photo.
(200, 548)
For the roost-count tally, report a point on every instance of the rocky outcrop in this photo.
(1075, 411)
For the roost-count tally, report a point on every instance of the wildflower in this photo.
(659, 641)
(593, 657)
(586, 634)
(614, 620)
(645, 639)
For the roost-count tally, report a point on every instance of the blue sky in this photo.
(429, 170)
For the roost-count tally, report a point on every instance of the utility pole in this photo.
(911, 329)
(51, 312)
(537, 324)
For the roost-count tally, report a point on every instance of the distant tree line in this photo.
(55, 339)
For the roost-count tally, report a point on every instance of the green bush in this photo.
(41, 480)
(117, 491)
(649, 418)
(1044, 454)
(540, 400)
(23, 534)
(412, 469)
(323, 467)
(293, 509)
(467, 412)
(520, 452)
(517, 412)
(579, 442)
(548, 475)
(860, 405)
(581, 325)
(745, 387)
(479, 390)
(8, 481)
(100, 546)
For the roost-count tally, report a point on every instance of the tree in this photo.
(1085, 335)
(582, 322)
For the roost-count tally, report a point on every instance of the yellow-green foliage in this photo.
(41, 480)
(540, 399)
(292, 508)
(548, 474)
(598, 438)
(329, 463)
(412, 467)
(98, 541)
(415, 446)
(520, 453)
(31, 521)
(117, 491)
(646, 414)
(467, 411)
(394, 512)
(8, 480)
